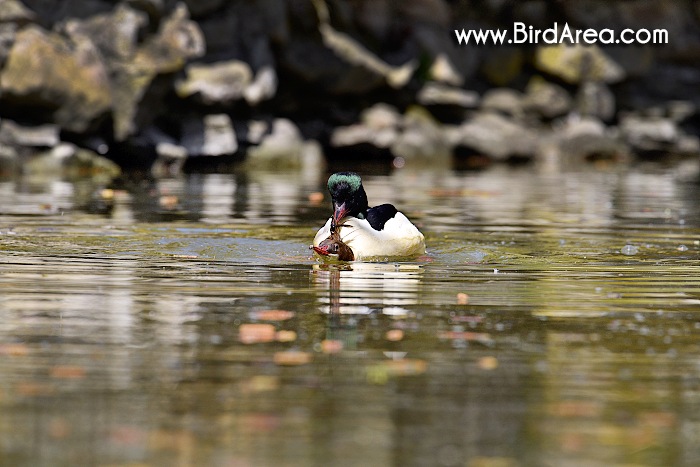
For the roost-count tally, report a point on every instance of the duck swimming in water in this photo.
(381, 231)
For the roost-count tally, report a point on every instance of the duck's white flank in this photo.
(398, 238)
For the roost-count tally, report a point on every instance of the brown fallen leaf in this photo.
(67, 372)
(488, 363)
(394, 335)
(292, 358)
(331, 346)
(272, 315)
(255, 333)
(286, 336)
(14, 350)
(32, 389)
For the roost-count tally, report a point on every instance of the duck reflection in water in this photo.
(365, 288)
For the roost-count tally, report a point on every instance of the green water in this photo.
(555, 321)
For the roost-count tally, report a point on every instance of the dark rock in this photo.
(216, 83)
(546, 99)
(247, 30)
(8, 159)
(354, 53)
(578, 63)
(47, 71)
(433, 93)
(115, 34)
(443, 71)
(284, 147)
(357, 134)
(379, 127)
(354, 66)
(82, 64)
(676, 17)
(656, 134)
(416, 137)
(680, 110)
(204, 7)
(177, 40)
(686, 145)
(502, 64)
(648, 134)
(224, 82)
(594, 99)
(35, 136)
(49, 13)
(253, 132)
(503, 100)
(211, 136)
(495, 136)
(7, 37)
(263, 87)
(134, 65)
(578, 140)
(14, 11)
(381, 116)
(421, 140)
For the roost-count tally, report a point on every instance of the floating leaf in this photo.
(67, 372)
(394, 335)
(31, 389)
(286, 336)
(462, 298)
(14, 350)
(253, 333)
(260, 383)
(292, 358)
(488, 363)
(272, 315)
(331, 346)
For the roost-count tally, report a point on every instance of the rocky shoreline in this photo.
(276, 83)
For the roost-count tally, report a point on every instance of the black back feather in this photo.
(379, 215)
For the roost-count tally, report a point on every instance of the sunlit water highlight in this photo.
(554, 321)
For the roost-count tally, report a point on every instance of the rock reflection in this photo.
(256, 197)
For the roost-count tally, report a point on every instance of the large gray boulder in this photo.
(495, 136)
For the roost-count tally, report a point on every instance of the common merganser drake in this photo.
(381, 231)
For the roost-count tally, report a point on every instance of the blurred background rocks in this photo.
(159, 84)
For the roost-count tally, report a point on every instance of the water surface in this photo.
(555, 320)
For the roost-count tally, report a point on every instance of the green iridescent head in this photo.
(344, 181)
(348, 195)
